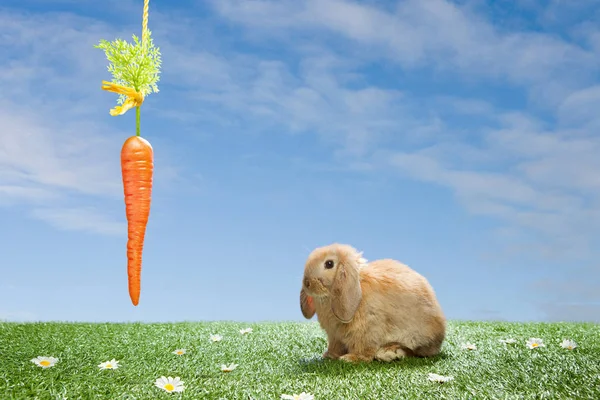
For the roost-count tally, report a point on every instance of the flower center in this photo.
(534, 345)
(108, 365)
(169, 387)
(45, 363)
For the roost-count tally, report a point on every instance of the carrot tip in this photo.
(135, 298)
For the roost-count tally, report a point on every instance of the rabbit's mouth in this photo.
(315, 287)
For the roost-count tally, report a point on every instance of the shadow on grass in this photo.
(336, 367)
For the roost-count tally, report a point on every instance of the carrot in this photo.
(137, 167)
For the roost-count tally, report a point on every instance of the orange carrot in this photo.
(137, 167)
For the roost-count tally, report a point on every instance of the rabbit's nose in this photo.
(306, 283)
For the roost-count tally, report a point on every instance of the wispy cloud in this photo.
(41, 153)
(87, 219)
(264, 95)
(453, 38)
(543, 180)
(580, 108)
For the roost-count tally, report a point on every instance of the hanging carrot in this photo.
(137, 164)
(135, 69)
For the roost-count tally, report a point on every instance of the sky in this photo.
(461, 138)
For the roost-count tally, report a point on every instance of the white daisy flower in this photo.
(508, 341)
(112, 364)
(179, 352)
(469, 346)
(216, 338)
(170, 384)
(440, 378)
(534, 343)
(228, 368)
(244, 331)
(44, 362)
(568, 344)
(301, 396)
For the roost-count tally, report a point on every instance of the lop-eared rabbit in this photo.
(379, 310)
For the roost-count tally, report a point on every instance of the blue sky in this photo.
(461, 138)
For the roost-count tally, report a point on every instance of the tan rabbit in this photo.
(379, 310)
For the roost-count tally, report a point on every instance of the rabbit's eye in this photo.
(329, 264)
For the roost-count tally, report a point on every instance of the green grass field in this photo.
(278, 358)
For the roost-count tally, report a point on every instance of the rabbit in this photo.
(380, 310)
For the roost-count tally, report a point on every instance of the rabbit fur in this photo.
(380, 310)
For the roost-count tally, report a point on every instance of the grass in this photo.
(281, 358)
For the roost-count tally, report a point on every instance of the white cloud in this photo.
(264, 96)
(40, 154)
(581, 107)
(86, 219)
(544, 181)
(418, 33)
(13, 194)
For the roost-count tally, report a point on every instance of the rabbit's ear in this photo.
(345, 293)
(307, 305)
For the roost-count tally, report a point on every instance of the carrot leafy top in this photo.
(133, 65)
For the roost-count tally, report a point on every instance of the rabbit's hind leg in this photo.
(391, 351)
(430, 350)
